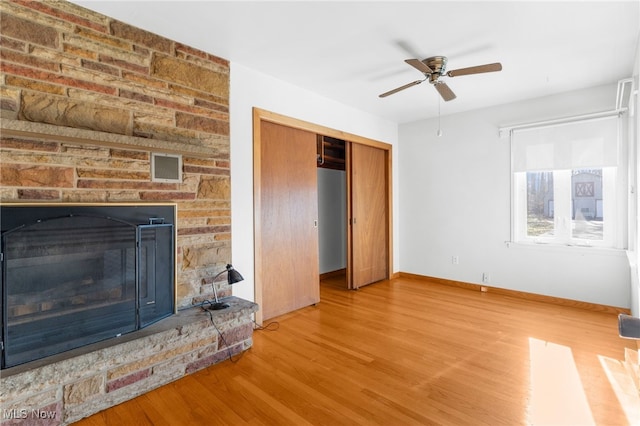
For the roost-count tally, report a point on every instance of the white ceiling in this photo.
(353, 51)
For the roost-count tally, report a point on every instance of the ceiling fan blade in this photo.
(408, 48)
(396, 90)
(475, 70)
(419, 65)
(444, 90)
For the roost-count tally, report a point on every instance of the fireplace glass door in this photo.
(155, 271)
(75, 280)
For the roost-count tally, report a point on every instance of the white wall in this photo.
(332, 220)
(250, 88)
(455, 201)
(634, 131)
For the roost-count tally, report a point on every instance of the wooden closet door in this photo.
(369, 215)
(287, 256)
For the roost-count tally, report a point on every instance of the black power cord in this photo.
(224, 341)
(272, 326)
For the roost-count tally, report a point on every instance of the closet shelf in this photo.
(331, 152)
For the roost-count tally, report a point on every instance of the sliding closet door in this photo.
(287, 248)
(369, 215)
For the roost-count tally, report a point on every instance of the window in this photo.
(566, 184)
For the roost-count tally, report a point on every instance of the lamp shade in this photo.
(233, 277)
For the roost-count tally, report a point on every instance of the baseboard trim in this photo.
(332, 274)
(520, 294)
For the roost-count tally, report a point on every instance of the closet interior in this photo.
(322, 212)
(332, 211)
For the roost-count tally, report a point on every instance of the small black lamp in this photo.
(233, 277)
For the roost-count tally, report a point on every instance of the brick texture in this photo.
(64, 65)
(45, 108)
(28, 31)
(127, 380)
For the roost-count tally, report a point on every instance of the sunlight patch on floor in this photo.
(623, 387)
(557, 393)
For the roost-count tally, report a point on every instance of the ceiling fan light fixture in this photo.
(435, 67)
(437, 63)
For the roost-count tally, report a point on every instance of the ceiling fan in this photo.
(435, 67)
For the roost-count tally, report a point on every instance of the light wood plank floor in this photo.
(409, 352)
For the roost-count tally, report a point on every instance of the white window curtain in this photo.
(574, 145)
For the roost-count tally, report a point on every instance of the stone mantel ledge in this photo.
(21, 128)
(190, 317)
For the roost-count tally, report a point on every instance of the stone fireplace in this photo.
(73, 275)
(86, 101)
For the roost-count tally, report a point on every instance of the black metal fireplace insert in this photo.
(73, 275)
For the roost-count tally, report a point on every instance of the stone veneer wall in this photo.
(92, 98)
(63, 65)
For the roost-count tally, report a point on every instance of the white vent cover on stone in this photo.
(166, 168)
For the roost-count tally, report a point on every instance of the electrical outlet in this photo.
(455, 260)
(485, 278)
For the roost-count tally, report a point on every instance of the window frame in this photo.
(563, 221)
(614, 187)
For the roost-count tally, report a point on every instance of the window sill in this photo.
(561, 248)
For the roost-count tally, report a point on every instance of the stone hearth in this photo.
(75, 384)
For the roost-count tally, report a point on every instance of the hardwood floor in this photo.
(409, 352)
